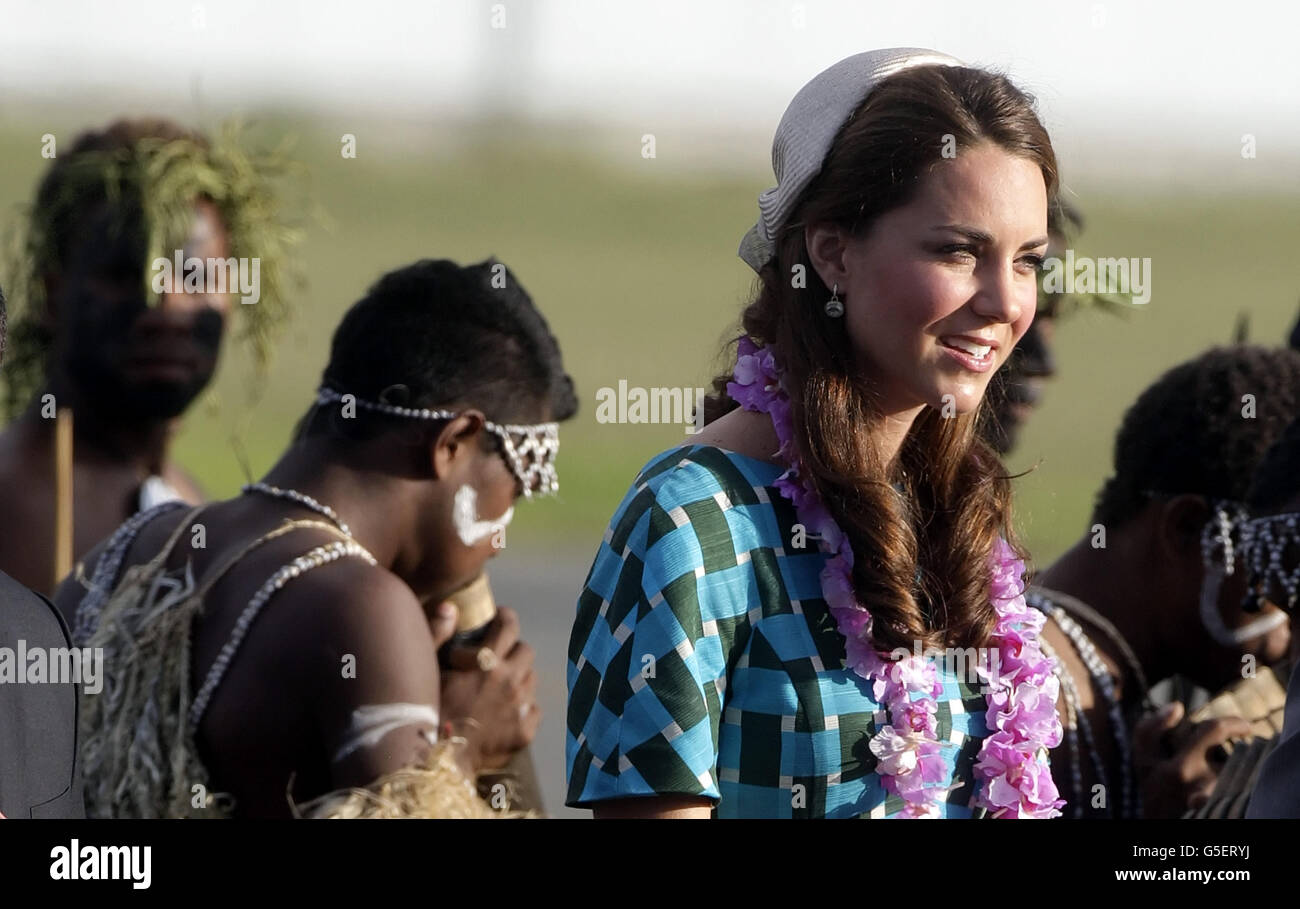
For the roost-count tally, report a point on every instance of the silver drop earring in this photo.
(834, 308)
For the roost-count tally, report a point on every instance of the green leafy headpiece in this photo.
(151, 173)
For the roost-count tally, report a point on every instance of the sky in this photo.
(1141, 78)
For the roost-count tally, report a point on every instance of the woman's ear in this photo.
(826, 244)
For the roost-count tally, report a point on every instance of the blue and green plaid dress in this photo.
(703, 659)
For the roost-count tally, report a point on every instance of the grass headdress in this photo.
(150, 173)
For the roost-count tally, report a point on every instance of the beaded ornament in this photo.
(531, 459)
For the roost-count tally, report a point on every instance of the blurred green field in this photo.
(633, 262)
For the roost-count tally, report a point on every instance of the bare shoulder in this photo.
(361, 638)
(353, 603)
(742, 431)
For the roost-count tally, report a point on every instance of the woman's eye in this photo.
(1033, 263)
(959, 251)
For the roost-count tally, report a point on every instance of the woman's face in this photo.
(938, 292)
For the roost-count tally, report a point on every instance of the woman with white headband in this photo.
(769, 625)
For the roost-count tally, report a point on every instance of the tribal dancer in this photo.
(268, 650)
(737, 646)
(1270, 557)
(1146, 593)
(93, 336)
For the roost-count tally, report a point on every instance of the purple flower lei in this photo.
(1021, 690)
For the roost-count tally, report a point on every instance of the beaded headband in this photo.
(1263, 544)
(531, 460)
(1217, 544)
(1219, 554)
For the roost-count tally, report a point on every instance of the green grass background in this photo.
(633, 263)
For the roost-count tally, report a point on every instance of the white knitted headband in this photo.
(809, 126)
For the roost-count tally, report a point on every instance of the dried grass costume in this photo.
(138, 734)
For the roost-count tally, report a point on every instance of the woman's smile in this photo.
(973, 352)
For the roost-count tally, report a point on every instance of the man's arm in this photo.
(377, 694)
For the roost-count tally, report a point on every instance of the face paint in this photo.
(464, 514)
(374, 721)
(101, 343)
(1213, 620)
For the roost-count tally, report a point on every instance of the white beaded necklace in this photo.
(321, 555)
(1051, 603)
(302, 499)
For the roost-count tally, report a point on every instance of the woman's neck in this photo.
(891, 432)
(745, 432)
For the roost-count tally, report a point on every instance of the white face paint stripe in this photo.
(469, 526)
(1213, 621)
(1258, 628)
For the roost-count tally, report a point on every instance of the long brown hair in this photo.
(921, 558)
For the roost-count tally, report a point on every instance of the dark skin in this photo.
(122, 368)
(1147, 583)
(285, 704)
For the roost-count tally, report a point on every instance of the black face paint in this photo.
(105, 324)
(100, 335)
(208, 325)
